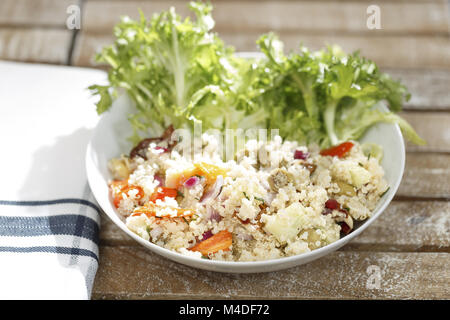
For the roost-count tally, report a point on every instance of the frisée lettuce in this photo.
(178, 72)
(327, 96)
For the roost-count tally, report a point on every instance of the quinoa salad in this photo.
(275, 199)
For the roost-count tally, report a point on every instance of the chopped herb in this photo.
(245, 195)
(360, 164)
(180, 194)
(198, 199)
(199, 176)
(185, 220)
(259, 199)
(385, 192)
(369, 155)
(205, 257)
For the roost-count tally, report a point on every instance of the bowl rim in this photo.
(244, 266)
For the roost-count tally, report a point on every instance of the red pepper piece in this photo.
(338, 151)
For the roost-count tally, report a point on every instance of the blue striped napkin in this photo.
(49, 221)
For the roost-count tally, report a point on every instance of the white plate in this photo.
(110, 140)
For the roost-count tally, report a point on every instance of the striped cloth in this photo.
(59, 235)
(49, 221)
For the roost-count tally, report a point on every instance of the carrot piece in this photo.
(162, 192)
(339, 150)
(220, 241)
(119, 187)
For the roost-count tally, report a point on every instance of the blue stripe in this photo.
(59, 250)
(50, 202)
(71, 224)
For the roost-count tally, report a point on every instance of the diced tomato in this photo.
(150, 210)
(119, 187)
(162, 192)
(220, 241)
(338, 151)
(332, 204)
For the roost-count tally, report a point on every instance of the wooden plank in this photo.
(35, 45)
(411, 226)
(429, 88)
(409, 52)
(86, 46)
(404, 226)
(135, 273)
(48, 13)
(433, 127)
(426, 176)
(263, 16)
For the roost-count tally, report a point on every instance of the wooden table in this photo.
(408, 246)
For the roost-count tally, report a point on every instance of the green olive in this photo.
(346, 189)
(313, 238)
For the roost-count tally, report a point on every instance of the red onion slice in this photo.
(212, 214)
(206, 235)
(191, 182)
(299, 154)
(159, 179)
(213, 191)
(244, 236)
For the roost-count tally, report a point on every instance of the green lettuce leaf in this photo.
(178, 72)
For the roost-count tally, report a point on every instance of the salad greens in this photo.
(177, 71)
(329, 95)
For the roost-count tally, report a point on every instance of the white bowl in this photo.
(110, 140)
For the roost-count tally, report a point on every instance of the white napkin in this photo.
(49, 222)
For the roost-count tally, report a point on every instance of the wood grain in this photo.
(434, 127)
(429, 88)
(36, 13)
(410, 52)
(409, 226)
(418, 32)
(35, 45)
(263, 16)
(135, 273)
(426, 176)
